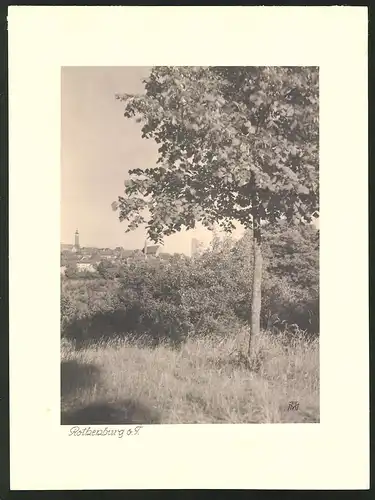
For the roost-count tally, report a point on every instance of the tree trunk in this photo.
(256, 299)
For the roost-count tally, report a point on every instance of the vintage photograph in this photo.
(189, 257)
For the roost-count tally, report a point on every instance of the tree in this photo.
(71, 270)
(293, 252)
(236, 144)
(107, 270)
(291, 279)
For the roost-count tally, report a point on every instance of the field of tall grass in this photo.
(204, 380)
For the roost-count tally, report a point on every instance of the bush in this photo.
(291, 276)
(82, 303)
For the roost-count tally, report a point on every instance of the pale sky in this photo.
(98, 147)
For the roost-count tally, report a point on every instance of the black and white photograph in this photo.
(189, 245)
(188, 248)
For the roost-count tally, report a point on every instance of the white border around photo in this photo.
(333, 454)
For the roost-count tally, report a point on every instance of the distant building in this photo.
(165, 256)
(126, 256)
(87, 258)
(66, 247)
(76, 247)
(87, 263)
(86, 251)
(106, 254)
(194, 247)
(86, 266)
(150, 251)
(127, 253)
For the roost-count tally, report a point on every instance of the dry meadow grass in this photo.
(204, 381)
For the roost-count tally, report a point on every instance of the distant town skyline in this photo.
(195, 244)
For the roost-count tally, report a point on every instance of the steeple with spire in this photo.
(76, 247)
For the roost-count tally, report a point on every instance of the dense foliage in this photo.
(208, 294)
(227, 136)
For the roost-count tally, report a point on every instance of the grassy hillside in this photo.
(204, 381)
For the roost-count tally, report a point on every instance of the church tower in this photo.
(76, 242)
(76, 239)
